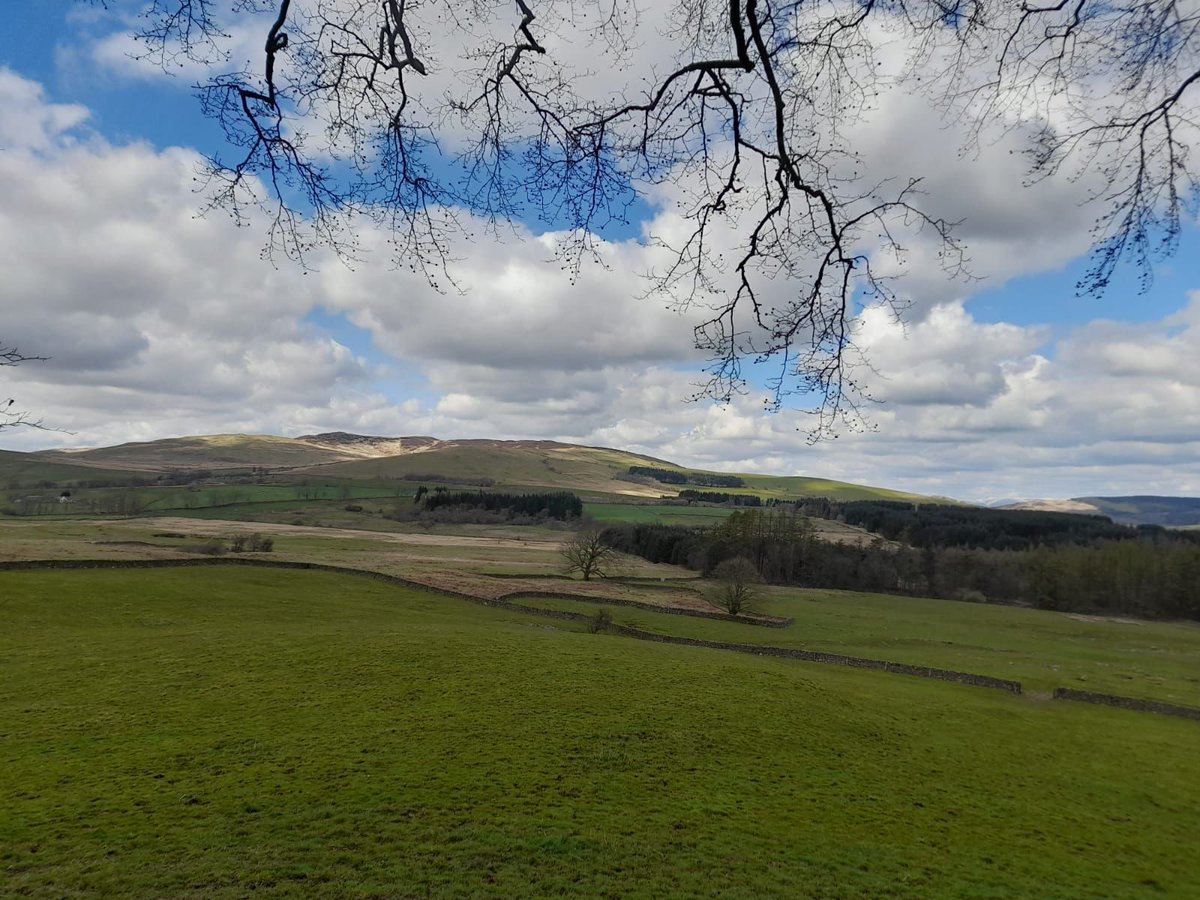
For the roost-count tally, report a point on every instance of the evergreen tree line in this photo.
(670, 476)
(721, 497)
(1146, 576)
(555, 505)
(939, 525)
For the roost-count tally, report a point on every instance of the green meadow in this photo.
(1041, 649)
(224, 498)
(226, 732)
(661, 513)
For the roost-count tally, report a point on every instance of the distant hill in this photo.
(213, 451)
(1148, 510)
(1065, 506)
(1173, 512)
(502, 463)
(32, 470)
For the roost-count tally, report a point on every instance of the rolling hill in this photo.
(1148, 510)
(214, 451)
(532, 463)
(29, 470)
(1171, 512)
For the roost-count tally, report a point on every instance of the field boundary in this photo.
(773, 622)
(1152, 706)
(502, 602)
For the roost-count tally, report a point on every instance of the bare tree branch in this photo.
(365, 109)
(10, 417)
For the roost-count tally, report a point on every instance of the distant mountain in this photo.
(532, 463)
(1068, 506)
(1137, 510)
(1148, 510)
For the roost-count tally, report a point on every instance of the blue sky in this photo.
(1012, 386)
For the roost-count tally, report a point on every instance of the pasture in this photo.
(1041, 649)
(661, 513)
(224, 731)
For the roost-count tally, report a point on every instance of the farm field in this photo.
(665, 514)
(487, 560)
(225, 731)
(1041, 649)
(204, 499)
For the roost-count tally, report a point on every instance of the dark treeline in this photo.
(1150, 575)
(936, 525)
(555, 505)
(721, 497)
(670, 476)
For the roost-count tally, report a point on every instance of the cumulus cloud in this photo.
(163, 323)
(30, 122)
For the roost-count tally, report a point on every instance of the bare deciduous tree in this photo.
(587, 554)
(10, 417)
(420, 114)
(738, 590)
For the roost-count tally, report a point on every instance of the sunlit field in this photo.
(222, 731)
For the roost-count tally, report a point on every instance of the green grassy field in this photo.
(217, 733)
(785, 486)
(1041, 649)
(153, 500)
(609, 513)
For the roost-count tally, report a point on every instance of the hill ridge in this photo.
(517, 463)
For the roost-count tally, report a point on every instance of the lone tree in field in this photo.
(737, 591)
(426, 116)
(588, 555)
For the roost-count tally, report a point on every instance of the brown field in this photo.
(484, 560)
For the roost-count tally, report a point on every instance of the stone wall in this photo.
(649, 607)
(836, 659)
(1154, 706)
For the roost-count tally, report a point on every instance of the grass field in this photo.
(210, 498)
(1041, 649)
(219, 733)
(665, 514)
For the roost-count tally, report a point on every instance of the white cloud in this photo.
(161, 323)
(29, 122)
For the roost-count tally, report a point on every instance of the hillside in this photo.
(31, 470)
(502, 463)
(1148, 510)
(1171, 512)
(215, 451)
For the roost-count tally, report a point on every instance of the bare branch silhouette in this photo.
(413, 114)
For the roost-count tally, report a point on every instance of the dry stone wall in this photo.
(1154, 706)
(650, 607)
